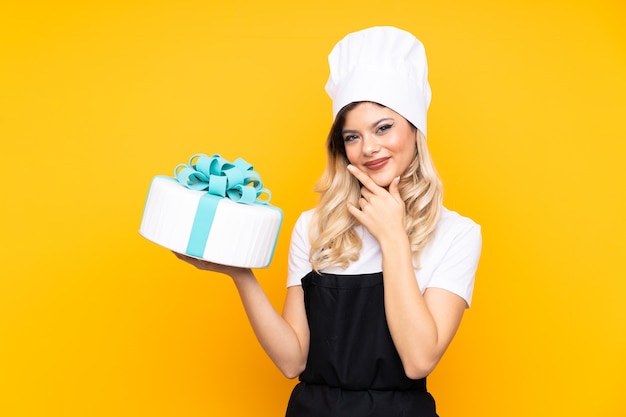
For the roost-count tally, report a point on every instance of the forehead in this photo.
(368, 112)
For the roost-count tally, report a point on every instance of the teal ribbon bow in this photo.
(237, 181)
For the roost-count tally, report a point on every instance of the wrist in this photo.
(395, 244)
(241, 274)
(394, 238)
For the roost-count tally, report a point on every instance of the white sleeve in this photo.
(457, 269)
(299, 264)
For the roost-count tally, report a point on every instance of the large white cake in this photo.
(202, 225)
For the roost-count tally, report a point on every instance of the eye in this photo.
(350, 138)
(384, 127)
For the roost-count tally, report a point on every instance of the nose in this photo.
(370, 145)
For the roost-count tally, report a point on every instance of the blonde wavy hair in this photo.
(334, 241)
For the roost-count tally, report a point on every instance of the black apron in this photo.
(353, 368)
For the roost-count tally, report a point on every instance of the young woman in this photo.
(380, 272)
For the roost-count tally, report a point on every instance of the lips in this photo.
(376, 164)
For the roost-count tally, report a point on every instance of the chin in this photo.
(382, 182)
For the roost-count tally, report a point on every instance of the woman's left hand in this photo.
(381, 211)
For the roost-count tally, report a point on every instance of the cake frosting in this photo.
(223, 224)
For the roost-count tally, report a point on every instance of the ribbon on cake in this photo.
(237, 180)
(220, 179)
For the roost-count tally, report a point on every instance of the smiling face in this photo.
(378, 141)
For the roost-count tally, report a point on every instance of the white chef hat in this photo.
(382, 64)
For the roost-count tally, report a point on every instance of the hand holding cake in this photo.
(232, 271)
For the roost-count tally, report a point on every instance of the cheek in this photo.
(352, 154)
(406, 145)
(405, 149)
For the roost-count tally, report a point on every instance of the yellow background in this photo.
(527, 128)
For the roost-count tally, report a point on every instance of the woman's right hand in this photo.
(232, 271)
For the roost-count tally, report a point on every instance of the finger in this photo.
(352, 209)
(366, 194)
(362, 203)
(363, 177)
(393, 188)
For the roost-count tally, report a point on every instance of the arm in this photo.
(421, 326)
(284, 338)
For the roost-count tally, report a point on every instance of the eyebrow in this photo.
(343, 132)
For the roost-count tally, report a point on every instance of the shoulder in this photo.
(453, 222)
(299, 248)
(450, 259)
(304, 220)
(300, 230)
